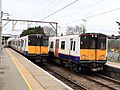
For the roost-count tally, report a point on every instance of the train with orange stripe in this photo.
(34, 46)
(84, 51)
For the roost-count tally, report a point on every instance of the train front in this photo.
(93, 51)
(38, 46)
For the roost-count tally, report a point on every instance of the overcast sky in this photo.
(70, 16)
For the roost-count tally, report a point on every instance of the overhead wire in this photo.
(49, 6)
(60, 9)
(90, 5)
(102, 13)
(106, 12)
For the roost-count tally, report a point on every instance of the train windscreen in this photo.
(93, 42)
(36, 40)
(44, 41)
(32, 41)
(101, 42)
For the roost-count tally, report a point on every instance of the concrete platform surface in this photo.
(113, 64)
(18, 73)
(10, 78)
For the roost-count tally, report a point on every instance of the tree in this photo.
(33, 30)
(74, 30)
(49, 31)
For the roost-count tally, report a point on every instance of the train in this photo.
(85, 51)
(34, 46)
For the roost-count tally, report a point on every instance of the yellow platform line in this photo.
(12, 57)
(32, 83)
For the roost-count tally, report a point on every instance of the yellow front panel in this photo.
(44, 49)
(87, 54)
(101, 54)
(31, 49)
(37, 49)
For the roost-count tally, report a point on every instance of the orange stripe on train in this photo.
(92, 54)
(38, 49)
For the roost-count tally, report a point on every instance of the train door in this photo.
(71, 48)
(56, 47)
(72, 51)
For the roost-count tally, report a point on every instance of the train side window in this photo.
(22, 42)
(25, 42)
(63, 45)
(71, 45)
(18, 43)
(74, 46)
(51, 45)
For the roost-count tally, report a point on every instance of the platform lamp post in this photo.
(0, 29)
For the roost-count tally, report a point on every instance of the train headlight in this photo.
(84, 57)
(102, 57)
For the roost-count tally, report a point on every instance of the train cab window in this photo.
(84, 42)
(51, 45)
(88, 42)
(74, 46)
(45, 41)
(101, 43)
(36, 41)
(92, 44)
(63, 45)
(32, 41)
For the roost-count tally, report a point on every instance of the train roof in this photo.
(67, 35)
(35, 35)
(85, 34)
(98, 34)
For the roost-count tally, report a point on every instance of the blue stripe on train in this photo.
(51, 53)
(65, 56)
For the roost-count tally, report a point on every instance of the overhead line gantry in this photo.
(53, 24)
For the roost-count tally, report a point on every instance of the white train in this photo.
(85, 50)
(32, 46)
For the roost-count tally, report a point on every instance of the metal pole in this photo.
(0, 29)
(84, 26)
(56, 28)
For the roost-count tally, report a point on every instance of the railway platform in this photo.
(112, 69)
(18, 73)
(113, 64)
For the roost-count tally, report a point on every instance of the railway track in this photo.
(66, 80)
(104, 81)
(87, 82)
(112, 83)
